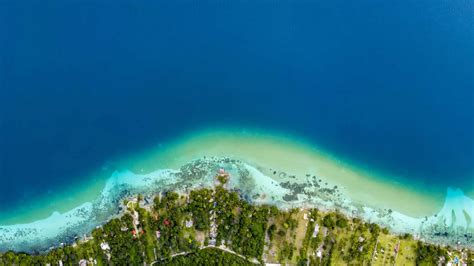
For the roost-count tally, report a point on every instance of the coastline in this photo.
(282, 153)
(288, 181)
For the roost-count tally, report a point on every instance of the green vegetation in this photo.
(200, 204)
(208, 256)
(429, 254)
(207, 226)
(222, 178)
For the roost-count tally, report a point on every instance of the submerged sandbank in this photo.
(277, 152)
(293, 172)
(268, 150)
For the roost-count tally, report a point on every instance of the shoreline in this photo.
(252, 184)
(252, 147)
(278, 152)
(313, 178)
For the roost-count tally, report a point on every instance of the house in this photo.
(319, 254)
(189, 223)
(212, 242)
(223, 173)
(104, 246)
(137, 233)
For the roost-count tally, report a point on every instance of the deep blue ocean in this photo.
(388, 84)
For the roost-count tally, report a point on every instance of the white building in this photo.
(319, 254)
(104, 246)
(316, 230)
(189, 223)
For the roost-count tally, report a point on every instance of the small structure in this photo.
(104, 246)
(319, 254)
(212, 242)
(136, 218)
(87, 238)
(223, 173)
(222, 176)
(305, 216)
(137, 233)
(316, 230)
(189, 223)
(397, 247)
(83, 262)
(148, 200)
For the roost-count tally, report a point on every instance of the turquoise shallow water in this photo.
(265, 157)
(280, 150)
(386, 87)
